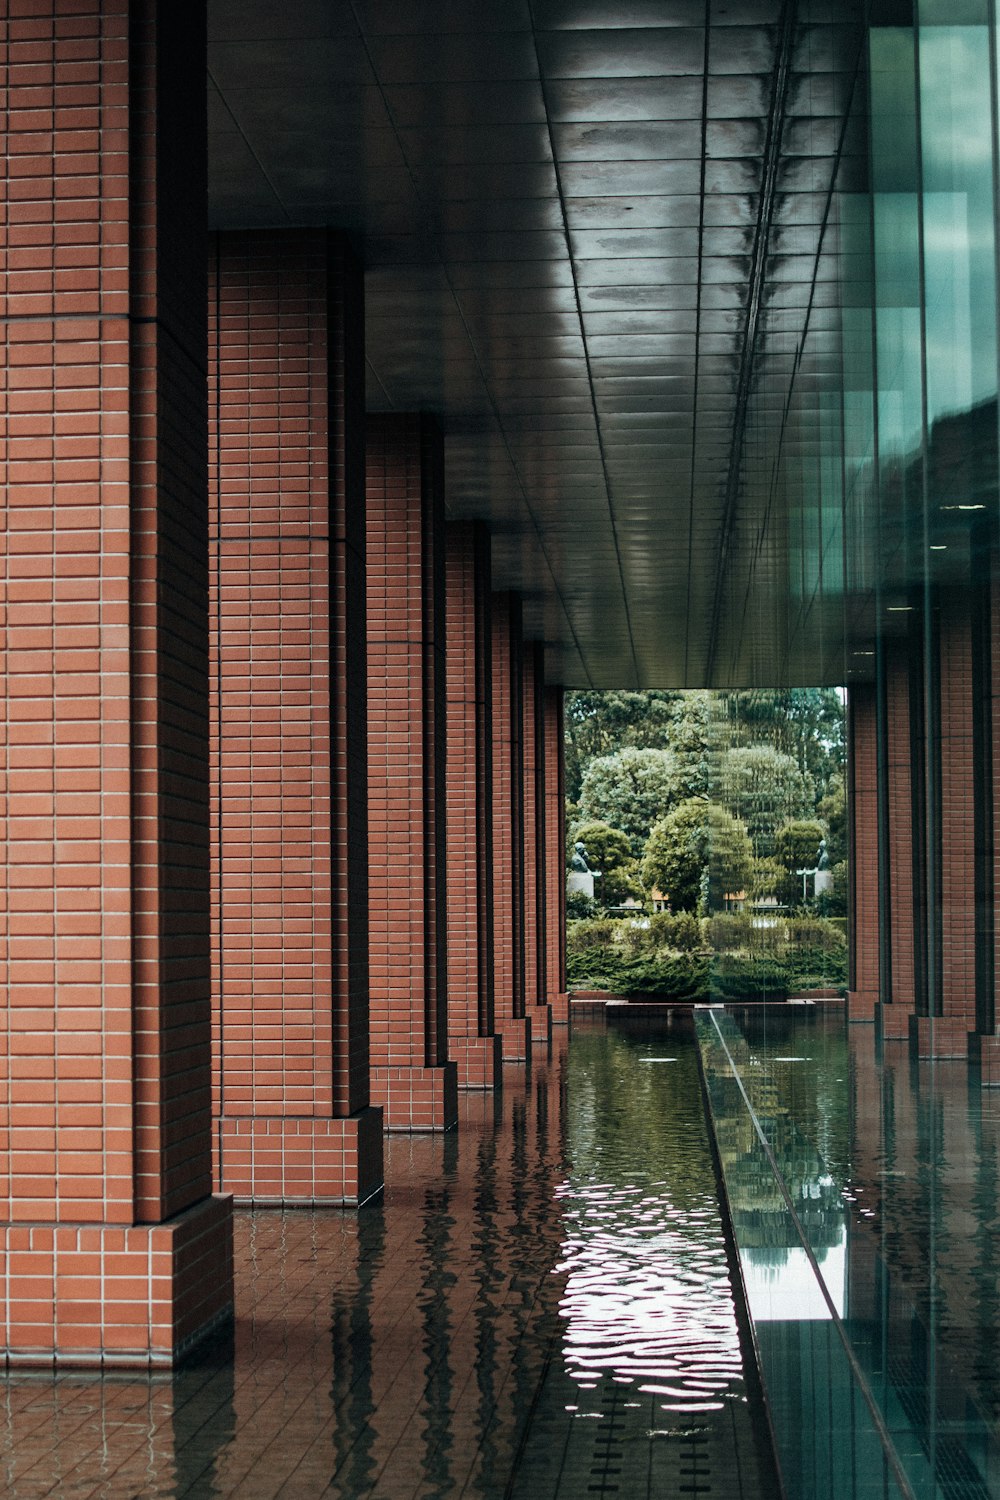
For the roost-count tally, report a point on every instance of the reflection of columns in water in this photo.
(985, 1291)
(537, 1220)
(159, 1435)
(489, 1279)
(204, 1422)
(519, 1262)
(437, 1280)
(352, 1336)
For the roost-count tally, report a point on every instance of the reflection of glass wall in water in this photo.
(864, 1196)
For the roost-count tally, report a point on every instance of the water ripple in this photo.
(647, 1300)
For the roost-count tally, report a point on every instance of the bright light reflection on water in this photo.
(648, 1300)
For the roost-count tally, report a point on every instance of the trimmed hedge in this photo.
(725, 957)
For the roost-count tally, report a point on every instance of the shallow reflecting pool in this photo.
(539, 1307)
(864, 1195)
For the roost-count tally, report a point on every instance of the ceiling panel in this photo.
(594, 240)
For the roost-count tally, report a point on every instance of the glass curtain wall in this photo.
(934, 174)
(896, 1211)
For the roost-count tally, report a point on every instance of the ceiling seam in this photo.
(765, 209)
(586, 351)
(246, 141)
(824, 226)
(697, 337)
(472, 344)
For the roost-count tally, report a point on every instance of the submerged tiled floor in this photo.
(540, 1307)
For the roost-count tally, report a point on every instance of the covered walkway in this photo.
(440, 358)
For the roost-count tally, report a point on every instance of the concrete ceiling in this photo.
(595, 232)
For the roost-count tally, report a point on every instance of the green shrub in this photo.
(816, 932)
(595, 932)
(680, 930)
(816, 968)
(748, 977)
(674, 955)
(580, 906)
(681, 977)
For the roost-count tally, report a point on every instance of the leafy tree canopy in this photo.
(608, 849)
(630, 790)
(763, 787)
(598, 724)
(796, 843)
(696, 855)
(806, 724)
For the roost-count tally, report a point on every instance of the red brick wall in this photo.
(471, 1043)
(992, 728)
(899, 794)
(508, 819)
(406, 761)
(533, 830)
(555, 856)
(289, 769)
(957, 817)
(863, 822)
(104, 1046)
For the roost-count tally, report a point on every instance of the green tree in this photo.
(796, 843)
(796, 847)
(630, 790)
(696, 855)
(608, 851)
(764, 788)
(768, 878)
(696, 736)
(806, 724)
(837, 899)
(833, 810)
(598, 724)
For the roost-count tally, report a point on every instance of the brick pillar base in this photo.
(894, 1021)
(862, 1005)
(100, 1295)
(939, 1036)
(559, 1009)
(418, 1098)
(479, 1060)
(515, 1037)
(302, 1161)
(541, 1025)
(984, 1053)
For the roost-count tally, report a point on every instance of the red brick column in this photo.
(863, 994)
(472, 1043)
(946, 1033)
(555, 856)
(986, 1048)
(290, 949)
(411, 1076)
(533, 833)
(111, 1245)
(899, 997)
(511, 1020)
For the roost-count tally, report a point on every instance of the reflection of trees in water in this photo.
(760, 1215)
(801, 1111)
